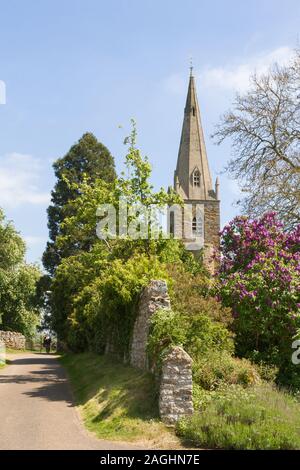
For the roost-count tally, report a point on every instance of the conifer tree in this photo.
(87, 160)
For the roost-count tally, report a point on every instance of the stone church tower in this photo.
(199, 221)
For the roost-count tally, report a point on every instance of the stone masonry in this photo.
(13, 340)
(175, 398)
(212, 223)
(153, 297)
(211, 234)
(193, 182)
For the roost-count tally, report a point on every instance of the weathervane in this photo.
(191, 65)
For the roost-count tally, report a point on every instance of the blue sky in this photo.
(72, 66)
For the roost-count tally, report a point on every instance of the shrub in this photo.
(198, 334)
(217, 368)
(259, 280)
(239, 418)
(105, 308)
(190, 294)
(267, 372)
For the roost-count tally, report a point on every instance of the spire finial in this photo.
(191, 66)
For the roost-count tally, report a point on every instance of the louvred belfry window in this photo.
(197, 226)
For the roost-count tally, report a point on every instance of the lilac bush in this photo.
(259, 279)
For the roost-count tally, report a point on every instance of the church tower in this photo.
(200, 219)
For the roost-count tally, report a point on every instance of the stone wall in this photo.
(211, 234)
(175, 398)
(212, 222)
(153, 297)
(13, 340)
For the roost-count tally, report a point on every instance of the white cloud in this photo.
(236, 76)
(19, 181)
(232, 76)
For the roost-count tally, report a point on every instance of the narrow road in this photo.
(37, 409)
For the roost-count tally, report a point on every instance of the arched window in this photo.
(193, 111)
(197, 226)
(196, 178)
(172, 223)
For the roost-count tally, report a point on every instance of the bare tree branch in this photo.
(264, 128)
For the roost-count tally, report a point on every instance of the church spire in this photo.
(192, 175)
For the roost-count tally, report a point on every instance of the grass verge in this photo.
(16, 351)
(117, 402)
(11, 351)
(261, 417)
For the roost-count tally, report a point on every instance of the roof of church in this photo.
(192, 152)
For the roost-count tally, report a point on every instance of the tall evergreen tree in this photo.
(87, 159)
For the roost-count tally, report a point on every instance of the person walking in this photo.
(47, 343)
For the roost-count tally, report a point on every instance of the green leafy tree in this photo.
(19, 305)
(87, 160)
(84, 299)
(259, 280)
(12, 246)
(136, 188)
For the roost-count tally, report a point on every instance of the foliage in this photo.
(198, 322)
(105, 309)
(135, 188)
(264, 128)
(261, 417)
(267, 372)
(217, 368)
(12, 246)
(19, 305)
(116, 401)
(167, 328)
(87, 161)
(191, 292)
(98, 291)
(18, 296)
(198, 334)
(94, 291)
(259, 280)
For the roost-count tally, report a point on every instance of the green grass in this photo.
(117, 402)
(9, 351)
(261, 417)
(16, 351)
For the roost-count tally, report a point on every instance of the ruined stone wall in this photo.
(12, 340)
(153, 297)
(175, 398)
